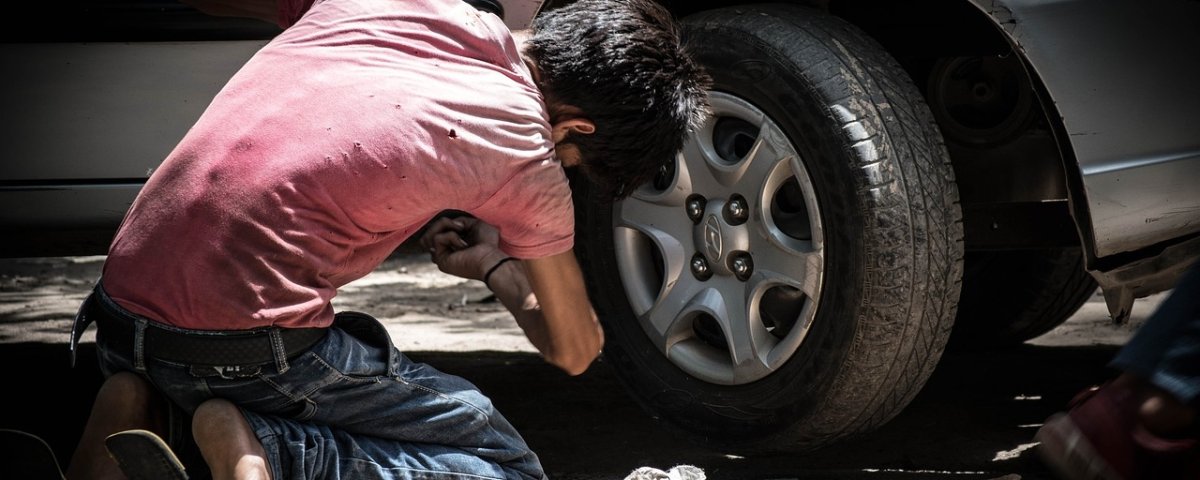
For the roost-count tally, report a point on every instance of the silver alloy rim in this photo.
(727, 289)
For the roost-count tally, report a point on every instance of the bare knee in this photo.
(228, 444)
(214, 417)
(127, 389)
(126, 399)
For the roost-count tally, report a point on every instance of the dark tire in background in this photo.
(791, 279)
(1009, 297)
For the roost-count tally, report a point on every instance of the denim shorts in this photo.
(351, 406)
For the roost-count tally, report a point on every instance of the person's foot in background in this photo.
(1126, 429)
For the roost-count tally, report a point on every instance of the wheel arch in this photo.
(1138, 236)
(1042, 202)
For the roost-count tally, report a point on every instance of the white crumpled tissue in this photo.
(678, 472)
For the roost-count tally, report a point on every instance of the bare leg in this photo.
(125, 401)
(228, 445)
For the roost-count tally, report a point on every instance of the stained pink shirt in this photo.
(335, 143)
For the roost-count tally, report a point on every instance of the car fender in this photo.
(1104, 66)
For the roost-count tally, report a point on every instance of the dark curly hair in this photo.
(623, 63)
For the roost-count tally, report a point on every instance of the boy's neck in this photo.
(521, 36)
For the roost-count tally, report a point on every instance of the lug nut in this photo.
(695, 208)
(742, 265)
(700, 268)
(737, 211)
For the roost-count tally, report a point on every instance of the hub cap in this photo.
(722, 258)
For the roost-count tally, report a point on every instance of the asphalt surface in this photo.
(974, 419)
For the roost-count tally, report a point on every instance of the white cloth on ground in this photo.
(678, 472)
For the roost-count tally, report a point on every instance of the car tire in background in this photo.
(792, 278)
(1012, 296)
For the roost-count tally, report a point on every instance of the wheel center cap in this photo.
(712, 238)
(716, 239)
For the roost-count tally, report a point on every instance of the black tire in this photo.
(1009, 297)
(890, 247)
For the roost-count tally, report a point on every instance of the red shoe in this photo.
(1100, 438)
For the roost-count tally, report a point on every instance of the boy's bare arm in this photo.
(547, 296)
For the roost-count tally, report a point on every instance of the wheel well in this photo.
(1000, 129)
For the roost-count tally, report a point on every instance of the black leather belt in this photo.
(218, 348)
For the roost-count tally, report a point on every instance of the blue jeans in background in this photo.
(1166, 349)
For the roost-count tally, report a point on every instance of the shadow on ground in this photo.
(975, 418)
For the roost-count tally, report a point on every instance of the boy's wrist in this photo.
(492, 265)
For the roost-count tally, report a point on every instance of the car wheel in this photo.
(791, 278)
(1009, 297)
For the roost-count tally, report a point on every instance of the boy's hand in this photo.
(465, 247)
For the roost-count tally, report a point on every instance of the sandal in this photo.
(143, 455)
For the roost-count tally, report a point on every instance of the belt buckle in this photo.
(227, 372)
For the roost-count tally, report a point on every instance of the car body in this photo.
(957, 155)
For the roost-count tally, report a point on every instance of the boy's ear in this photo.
(562, 128)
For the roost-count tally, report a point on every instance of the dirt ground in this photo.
(974, 419)
(424, 308)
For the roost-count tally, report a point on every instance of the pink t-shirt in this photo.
(335, 143)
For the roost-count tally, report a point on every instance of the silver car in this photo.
(881, 181)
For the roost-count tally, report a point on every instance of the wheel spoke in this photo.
(764, 156)
(667, 316)
(656, 217)
(749, 341)
(698, 161)
(789, 321)
(641, 279)
(785, 265)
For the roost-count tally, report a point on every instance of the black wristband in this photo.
(487, 276)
